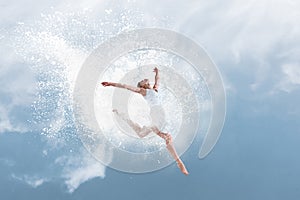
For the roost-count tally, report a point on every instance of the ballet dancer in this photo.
(151, 96)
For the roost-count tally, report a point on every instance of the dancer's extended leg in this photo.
(169, 142)
(141, 132)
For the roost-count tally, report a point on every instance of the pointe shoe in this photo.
(182, 167)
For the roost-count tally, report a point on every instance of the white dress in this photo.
(152, 98)
(157, 114)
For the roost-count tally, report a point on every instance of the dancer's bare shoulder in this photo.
(143, 91)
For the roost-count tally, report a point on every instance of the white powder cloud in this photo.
(17, 90)
(19, 84)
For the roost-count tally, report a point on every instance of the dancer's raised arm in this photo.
(120, 85)
(155, 87)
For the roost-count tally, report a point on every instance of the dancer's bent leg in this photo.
(169, 144)
(141, 132)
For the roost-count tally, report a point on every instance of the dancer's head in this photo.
(144, 84)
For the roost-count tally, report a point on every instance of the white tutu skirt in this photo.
(157, 116)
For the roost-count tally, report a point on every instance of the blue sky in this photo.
(256, 46)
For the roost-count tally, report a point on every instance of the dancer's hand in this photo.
(106, 84)
(155, 88)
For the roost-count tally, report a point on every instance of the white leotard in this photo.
(156, 110)
(152, 98)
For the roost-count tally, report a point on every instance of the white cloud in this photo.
(17, 90)
(237, 33)
(79, 169)
(6, 126)
(7, 162)
(33, 181)
(292, 72)
(81, 175)
(291, 77)
(73, 169)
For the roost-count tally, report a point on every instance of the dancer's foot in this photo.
(182, 167)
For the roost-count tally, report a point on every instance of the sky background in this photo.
(256, 46)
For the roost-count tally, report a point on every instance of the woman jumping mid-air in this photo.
(150, 95)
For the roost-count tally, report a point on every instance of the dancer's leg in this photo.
(169, 142)
(141, 132)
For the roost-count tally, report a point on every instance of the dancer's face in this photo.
(145, 84)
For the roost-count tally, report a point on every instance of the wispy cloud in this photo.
(246, 36)
(33, 181)
(291, 77)
(17, 91)
(6, 126)
(79, 169)
(7, 162)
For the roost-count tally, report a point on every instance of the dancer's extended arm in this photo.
(155, 87)
(120, 85)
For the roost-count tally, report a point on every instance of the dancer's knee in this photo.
(168, 138)
(144, 131)
(136, 129)
(155, 129)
